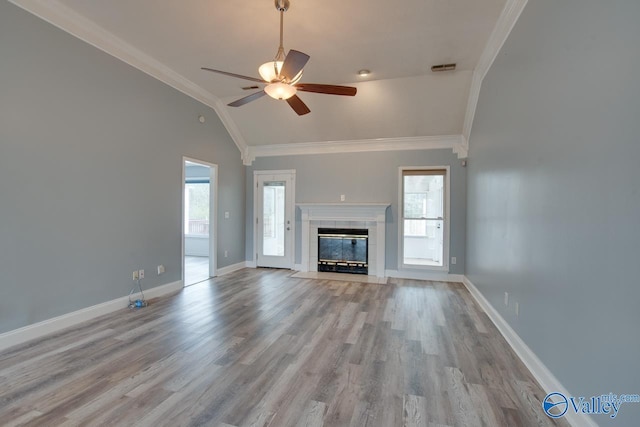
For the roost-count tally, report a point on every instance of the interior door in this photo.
(274, 220)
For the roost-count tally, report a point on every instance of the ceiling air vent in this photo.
(443, 67)
(250, 87)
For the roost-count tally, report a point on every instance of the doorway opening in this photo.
(199, 221)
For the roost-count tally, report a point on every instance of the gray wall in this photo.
(553, 200)
(90, 173)
(364, 177)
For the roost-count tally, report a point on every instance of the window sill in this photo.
(417, 268)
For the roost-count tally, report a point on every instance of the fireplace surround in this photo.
(370, 217)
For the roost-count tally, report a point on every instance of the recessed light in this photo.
(364, 73)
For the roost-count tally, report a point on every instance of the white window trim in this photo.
(447, 220)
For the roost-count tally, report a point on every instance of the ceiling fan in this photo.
(282, 76)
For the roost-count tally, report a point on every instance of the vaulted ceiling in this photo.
(397, 41)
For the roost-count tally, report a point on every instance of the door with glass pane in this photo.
(423, 218)
(274, 220)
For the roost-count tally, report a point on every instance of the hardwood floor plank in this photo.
(313, 414)
(413, 411)
(18, 419)
(462, 405)
(259, 347)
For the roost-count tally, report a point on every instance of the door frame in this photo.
(292, 241)
(446, 237)
(213, 213)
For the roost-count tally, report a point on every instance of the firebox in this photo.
(343, 250)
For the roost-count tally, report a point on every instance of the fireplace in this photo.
(343, 250)
(367, 217)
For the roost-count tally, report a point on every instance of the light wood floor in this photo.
(258, 347)
(196, 269)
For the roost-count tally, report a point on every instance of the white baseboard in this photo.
(55, 324)
(297, 267)
(250, 264)
(231, 268)
(425, 275)
(541, 373)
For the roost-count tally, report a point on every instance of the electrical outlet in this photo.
(343, 198)
(226, 254)
(135, 275)
(226, 215)
(517, 309)
(160, 269)
(506, 298)
(141, 274)
(454, 260)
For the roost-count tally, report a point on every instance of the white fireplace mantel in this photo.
(371, 216)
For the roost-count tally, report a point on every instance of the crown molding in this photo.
(65, 18)
(455, 142)
(507, 20)
(79, 26)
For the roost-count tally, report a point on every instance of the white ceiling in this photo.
(398, 41)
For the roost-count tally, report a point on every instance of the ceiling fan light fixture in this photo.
(280, 90)
(270, 72)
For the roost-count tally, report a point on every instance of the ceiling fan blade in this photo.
(247, 99)
(293, 64)
(328, 89)
(298, 106)
(239, 76)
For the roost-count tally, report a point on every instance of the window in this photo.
(273, 212)
(424, 222)
(196, 209)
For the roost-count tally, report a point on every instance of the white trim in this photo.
(55, 324)
(540, 372)
(447, 220)
(425, 275)
(507, 20)
(454, 142)
(250, 264)
(65, 18)
(231, 268)
(297, 267)
(373, 213)
(275, 172)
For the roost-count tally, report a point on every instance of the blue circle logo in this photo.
(555, 405)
